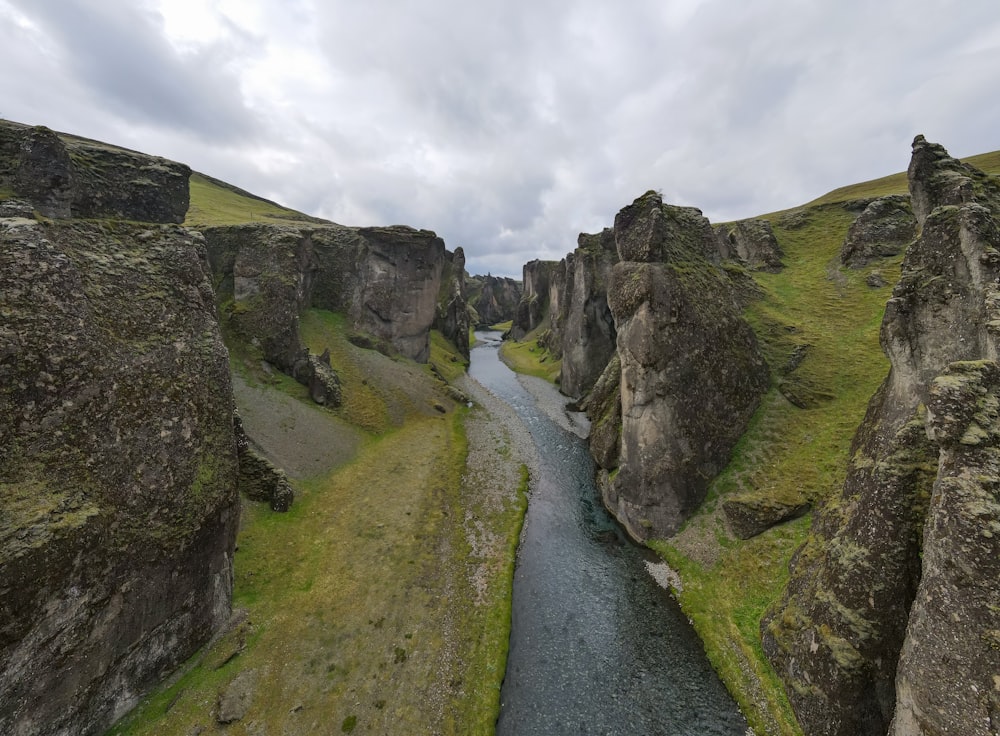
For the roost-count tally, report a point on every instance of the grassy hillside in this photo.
(214, 202)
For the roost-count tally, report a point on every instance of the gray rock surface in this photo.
(885, 227)
(691, 372)
(752, 242)
(65, 176)
(495, 299)
(118, 468)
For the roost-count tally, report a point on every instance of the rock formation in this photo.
(536, 303)
(118, 468)
(65, 176)
(453, 318)
(390, 282)
(884, 228)
(584, 332)
(751, 242)
(899, 562)
(691, 374)
(495, 299)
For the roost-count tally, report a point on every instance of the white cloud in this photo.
(510, 127)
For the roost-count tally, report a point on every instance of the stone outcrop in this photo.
(691, 372)
(879, 575)
(750, 515)
(751, 242)
(453, 317)
(584, 331)
(394, 284)
(495, 299)
(65, 176)
(118, 468)
(536, 302)
(259, 479)
(885, 227)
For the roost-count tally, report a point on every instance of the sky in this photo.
(510, 127)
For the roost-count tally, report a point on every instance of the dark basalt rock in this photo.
(65, 176)
(495, 299)
(885, 227)
(118, 468)
(752, 515)
(535, 304)
(876, 577)
(752, 243)
(585, 330)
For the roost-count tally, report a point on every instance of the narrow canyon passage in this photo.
(596, 647)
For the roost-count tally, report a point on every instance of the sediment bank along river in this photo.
(596, 646)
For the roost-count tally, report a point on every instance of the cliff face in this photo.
(389, 281)
(904, 561)
(585, 329)
(691, 373)
(536, 303)
(118, 468)
(64, 176)
(884, 228)
(495, 299)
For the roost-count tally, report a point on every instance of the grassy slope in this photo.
(367, 606)
(527, 356)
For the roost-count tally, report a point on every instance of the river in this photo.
(596, 645)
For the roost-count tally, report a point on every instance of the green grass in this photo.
(360, 604)
(527, 356)
(214, 204)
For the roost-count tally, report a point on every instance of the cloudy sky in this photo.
(509, 127)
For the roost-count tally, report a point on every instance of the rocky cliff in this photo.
(118, 469)
(889, 620)
(495, 299)
(536, 303)
(65, 176)
(583, 329)
(691, 373)
(883, 229)
(750, 242)
(391, 282)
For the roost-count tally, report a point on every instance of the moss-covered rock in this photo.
(118, 465)
(691, 371)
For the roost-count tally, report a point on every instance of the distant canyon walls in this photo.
(647, 324)
(891, 619)
(393, 283)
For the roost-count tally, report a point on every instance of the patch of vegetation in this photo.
(213, 203)
(445, 360)
(530, 356)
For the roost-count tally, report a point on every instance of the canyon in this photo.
(181, 383)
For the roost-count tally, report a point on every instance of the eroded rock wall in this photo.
(495, 299)
(388, 281)
(585, 330)
(837, 634)
(118, 469)
(65, 176)
(535, 304)
(691, 372)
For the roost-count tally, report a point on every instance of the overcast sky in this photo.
(509, 127)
